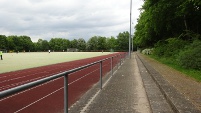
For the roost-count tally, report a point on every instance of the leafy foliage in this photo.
(81, 44)
(111, 43)
(191, 56)
(3, 42)
(181, 52)
(123, 41)
(92, 43)
(73, 43)
(19, 43)
(162, 19)
(169, 47)
(95, 43)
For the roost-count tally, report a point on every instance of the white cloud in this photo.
(66, 18)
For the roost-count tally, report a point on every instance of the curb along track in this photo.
(177, 102)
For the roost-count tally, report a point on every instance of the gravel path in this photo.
(187, 86)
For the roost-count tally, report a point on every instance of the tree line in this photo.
(96, 43)
(163, 19)
(172, 29)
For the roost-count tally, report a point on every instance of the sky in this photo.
(70, 19)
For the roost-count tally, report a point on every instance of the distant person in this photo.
(1, 55)
(49, 51)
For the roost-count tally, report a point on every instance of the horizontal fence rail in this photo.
(64, 74)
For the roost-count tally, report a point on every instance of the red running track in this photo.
(48, 97)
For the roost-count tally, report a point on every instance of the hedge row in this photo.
(185, 53)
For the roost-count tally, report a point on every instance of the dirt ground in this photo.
(187, 86)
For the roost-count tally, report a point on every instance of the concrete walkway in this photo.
(124, 93)
(133, 89)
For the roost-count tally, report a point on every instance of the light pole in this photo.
(130, 30)
(132, 42)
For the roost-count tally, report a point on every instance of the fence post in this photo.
(111, 66)
(120, 59)
(117, 62)
(101, 74)
(123, 58)
(66, 93)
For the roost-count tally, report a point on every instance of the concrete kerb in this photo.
(176, 100)
(156, 99)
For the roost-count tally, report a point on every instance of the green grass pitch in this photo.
(19, 61)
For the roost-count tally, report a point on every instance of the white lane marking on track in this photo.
(38, 100)
(52, 92)
(30, 80)
(22, 82)
(20, 77)
(19, 73)
(44, 96)
(28, 89)
(15, 84)
(35, 87)
(81, 77)
(84, 76)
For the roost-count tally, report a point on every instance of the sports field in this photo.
(49, 97)
(19, 61)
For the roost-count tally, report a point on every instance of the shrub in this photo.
(190, 57)
(169, 47)
(147, 51)
(174, 45)
(159, 48)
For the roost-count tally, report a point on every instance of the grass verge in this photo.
(196, 74)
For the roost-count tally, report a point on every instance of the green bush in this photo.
(159, 48)
(169, 47)
(174, 45)
(190, 57)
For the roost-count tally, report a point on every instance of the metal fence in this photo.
(64, 74)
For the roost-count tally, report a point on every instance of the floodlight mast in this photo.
(130, 30)
(132, 42)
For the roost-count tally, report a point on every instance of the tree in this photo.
(38, 45)
(66, 44)
(123, 41)
(3, 42)
(11, 44)
(111, 43)
(162, 19)
(57, 44)
(73, 43)
(81, 44)
(101, 43)
(15, 43)
(26, 43)
(92, 43)
(45, 45)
